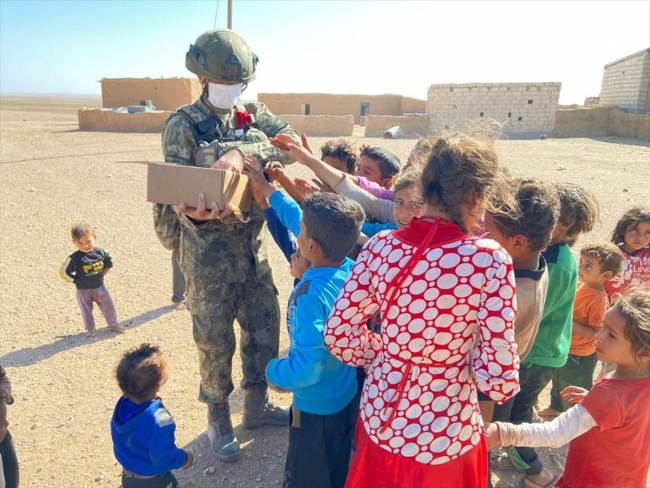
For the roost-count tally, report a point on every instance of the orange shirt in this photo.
(589, 309)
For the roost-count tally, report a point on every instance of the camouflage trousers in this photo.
(214, 308)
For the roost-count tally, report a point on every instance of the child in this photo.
(438, 290)
(378, 165)
(609, 429)
(324, 390)
(142, 429)
(578, 213)
(340, 154)
(599, 262)
(9, 474)
(523, 226)
(632, 236)
(86, 269)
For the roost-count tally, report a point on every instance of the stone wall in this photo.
(96, 119)
(635, 126)
(601, 121)
(164, 93)
(331, 104)
(523, 108)
(321, 125)
(582, 122)
(411, 125)
(626, 83)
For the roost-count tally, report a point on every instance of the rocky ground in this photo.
(52, 175)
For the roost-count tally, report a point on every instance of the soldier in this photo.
(225, 260)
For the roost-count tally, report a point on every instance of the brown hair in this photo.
(610, 257)
(633, 217)
(80, 230)
(635, 307)
(141, 371)
(459, 170)
(342, 150)
(421, 151)
(334, 221)
(409, 179)
(578, 208)
(527, 207)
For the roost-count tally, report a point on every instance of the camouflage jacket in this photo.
(223, 250)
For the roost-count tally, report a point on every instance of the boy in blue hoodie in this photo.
(325, 400)
(142, 429)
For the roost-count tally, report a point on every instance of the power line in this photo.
(215, 15)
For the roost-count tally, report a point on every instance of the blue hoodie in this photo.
(143, 438)
(320, 383)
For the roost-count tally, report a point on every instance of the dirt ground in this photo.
(52, 175)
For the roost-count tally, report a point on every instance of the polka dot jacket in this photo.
(455, 308)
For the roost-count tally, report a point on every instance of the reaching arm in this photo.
(562, 430)
(495, 360)
(346, 334)
(382, 210)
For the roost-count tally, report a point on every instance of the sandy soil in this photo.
(52, 175)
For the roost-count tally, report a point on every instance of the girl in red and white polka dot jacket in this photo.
(448, 302)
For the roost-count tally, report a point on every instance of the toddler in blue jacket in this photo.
(325, 400)
(142, 429)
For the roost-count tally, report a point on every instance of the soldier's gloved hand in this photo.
(201, 212)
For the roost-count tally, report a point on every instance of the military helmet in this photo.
(222, 55)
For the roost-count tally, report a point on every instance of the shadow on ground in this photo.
(33, 355)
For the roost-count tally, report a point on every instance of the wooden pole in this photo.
(229, 14)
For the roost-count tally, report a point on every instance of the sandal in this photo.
(118, 329)
(532, 484)
(180, 306)
(504, 463)
(91, 333)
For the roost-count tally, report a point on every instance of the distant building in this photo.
(164, 93)
(330, 104)
(523, 108)
(626, 83)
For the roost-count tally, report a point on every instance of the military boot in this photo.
(223, 442)
(259, 411)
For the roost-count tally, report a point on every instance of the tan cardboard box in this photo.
(173, 184)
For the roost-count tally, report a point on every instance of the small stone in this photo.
(35, 426)
(624, 190)
(32, 190)
(258, 479)
(561, 168)
(543, 137)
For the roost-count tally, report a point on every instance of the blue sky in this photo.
(369, 47)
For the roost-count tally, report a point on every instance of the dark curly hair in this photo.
(141, 371)
(342, 150)
(630, 220)
(527, 207)
(579, 209)
(459, 170)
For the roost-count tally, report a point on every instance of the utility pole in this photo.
(230, 14)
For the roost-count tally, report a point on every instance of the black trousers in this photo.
(532, 380)
(319, 448)
(165, 480)
(9, 462)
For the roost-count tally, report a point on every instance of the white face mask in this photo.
(224, 97)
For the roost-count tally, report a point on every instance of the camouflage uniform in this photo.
(225, 262)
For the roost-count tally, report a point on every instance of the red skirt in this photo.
(375, 467)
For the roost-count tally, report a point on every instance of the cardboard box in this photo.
(173, 184)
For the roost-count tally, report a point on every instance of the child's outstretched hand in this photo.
(492, 436)
(288, 145)
(255, 174)
(190, 460)
(275, 170)
(303, 187)
(573, 394)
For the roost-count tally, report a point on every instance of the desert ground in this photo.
(52, 175)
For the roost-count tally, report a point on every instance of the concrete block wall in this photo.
(411, 125)
(626, 83)
(164, 93)
(521, 107)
